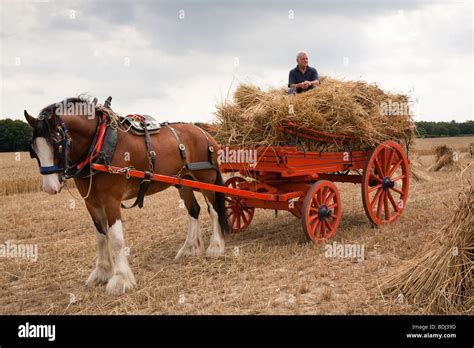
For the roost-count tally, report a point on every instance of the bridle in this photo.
(60, 141)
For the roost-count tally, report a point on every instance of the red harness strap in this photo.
(99, 143)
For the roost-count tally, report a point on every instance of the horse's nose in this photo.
(51, 190)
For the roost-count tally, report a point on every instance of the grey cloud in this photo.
(170, 50)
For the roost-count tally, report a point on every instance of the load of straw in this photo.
(441, 277)
(444, 157)
(352, 108)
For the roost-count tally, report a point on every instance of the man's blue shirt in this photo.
(296, 76)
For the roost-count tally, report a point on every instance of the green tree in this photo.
(14, 135)
(440, 130)
(454, 131)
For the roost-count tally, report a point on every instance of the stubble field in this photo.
(268, 269)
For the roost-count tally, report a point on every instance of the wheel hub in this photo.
(387, 184)
(323, 212)
(237, 205)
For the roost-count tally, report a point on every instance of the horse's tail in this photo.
(220, 205)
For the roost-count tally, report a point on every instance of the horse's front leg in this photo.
(122, 276)
(104, 264)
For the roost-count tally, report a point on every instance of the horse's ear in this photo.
(52, 120)
(30, 119)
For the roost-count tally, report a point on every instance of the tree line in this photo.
(15, 135)
(444, 129)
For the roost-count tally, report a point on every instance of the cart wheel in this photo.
(239, 215)
(385, 183)
(321, 211)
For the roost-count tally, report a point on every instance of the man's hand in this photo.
(304, 85)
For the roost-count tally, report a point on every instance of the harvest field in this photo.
(270, 268)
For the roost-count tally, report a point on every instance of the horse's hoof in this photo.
(188, 250)
(215, 250)
(99, 276)
(120, 283)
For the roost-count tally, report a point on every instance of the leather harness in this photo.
(102, 150)
(146, 181)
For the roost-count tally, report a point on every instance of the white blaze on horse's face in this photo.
(44, 150)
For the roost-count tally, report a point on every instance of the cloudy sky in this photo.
(177, 59)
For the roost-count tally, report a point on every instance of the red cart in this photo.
(301, 182)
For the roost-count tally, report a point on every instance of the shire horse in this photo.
(63, 142)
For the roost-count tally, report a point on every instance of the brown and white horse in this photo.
(59, 139)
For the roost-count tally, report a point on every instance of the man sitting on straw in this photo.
(303, 77)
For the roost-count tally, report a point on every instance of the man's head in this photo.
(302, 59)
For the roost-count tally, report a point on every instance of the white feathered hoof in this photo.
(120, 283)
(215, 249)
(189, 250)
(99, 276)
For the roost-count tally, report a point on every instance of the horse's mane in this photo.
(83, 98)
(51, 109)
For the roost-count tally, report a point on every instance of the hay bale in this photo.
(352, 108)
(471, 149)
(442, 150)
(444, 157)
(248, 95)
(441, 277)
(446, 160)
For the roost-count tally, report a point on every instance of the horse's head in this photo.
(49, 146)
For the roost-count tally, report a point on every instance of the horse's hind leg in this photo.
(103, 269)
(217, 243)
(193, 244)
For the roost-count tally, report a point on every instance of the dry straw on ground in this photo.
(442, 150)
(352, 108)
(441, 277)
(444, 158)
(418, 171)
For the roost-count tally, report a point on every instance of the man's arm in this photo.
(292, 82)
(314, 78)
(302, 85)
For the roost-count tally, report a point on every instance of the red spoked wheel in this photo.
(385, 183)
(321, 211)
(239, 215)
